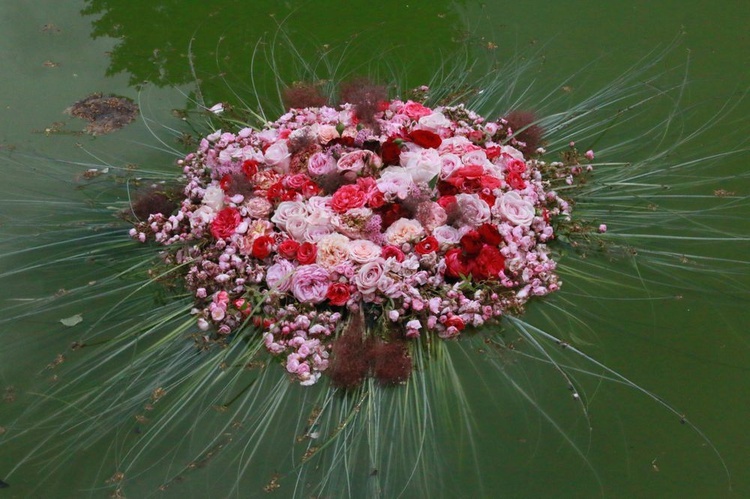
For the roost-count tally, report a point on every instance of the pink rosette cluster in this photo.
(427, 221)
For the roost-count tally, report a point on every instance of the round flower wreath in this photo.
(342, 240)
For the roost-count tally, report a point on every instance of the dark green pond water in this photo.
(678, 333)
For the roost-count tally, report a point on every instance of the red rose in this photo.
(225, 182)
(249, 168)
(487, 196)
(262, 247)
(493, 152)
(276, 191)
(348, 197)
(310, 189)
(225, 223)
(306, 253)
(489, 263)
(425, 138)
(466, 179)
(338, 294)
(376, 199)
(289, 195)
(471, 243)
(514, 165)
(489, 182)
(455, 321)
(427, 245)
(490, 234)
(390, 152)
(288, 249)
(446, 201)
(456, 264)
(390, 214)
(446, 189)
(515, 181)
(392, 251)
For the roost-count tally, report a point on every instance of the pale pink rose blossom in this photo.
(278, 156)
(279, 276)
(310, 283)
(473, 210)
(515, 209)
(368, 276)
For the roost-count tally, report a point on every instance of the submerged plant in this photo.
(172, 373)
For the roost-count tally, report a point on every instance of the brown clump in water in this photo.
(104, 114)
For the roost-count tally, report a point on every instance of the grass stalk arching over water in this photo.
(157, 410)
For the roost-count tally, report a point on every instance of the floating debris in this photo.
(72, 321)
(105, 114)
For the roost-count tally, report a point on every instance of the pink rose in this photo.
(279, 276)
(415, 110)
(321, 163)
(368, 276)
(354, 161)
(310, 283)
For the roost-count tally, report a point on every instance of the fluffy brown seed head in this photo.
(301, 95)
(524, 130)
(365, 96)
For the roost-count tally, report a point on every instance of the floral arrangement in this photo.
(344, 235)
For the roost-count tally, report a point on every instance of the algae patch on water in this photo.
(105, 114)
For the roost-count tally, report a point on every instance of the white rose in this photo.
(214, 197)
(395, 181)
(422, 165)
(288, 209)
(515, 209)
(434, 122)
(202, 216)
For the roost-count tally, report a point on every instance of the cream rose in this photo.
(404, 230)
(364, 251)
(333, 249)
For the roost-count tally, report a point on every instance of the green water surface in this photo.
(689, 347)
